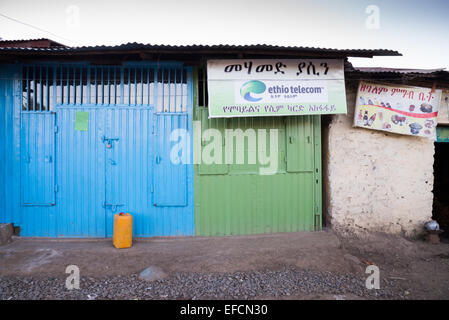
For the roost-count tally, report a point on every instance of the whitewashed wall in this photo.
(443, 114)
(375, 181)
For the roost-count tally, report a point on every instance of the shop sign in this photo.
(398, 109)
(284, 87)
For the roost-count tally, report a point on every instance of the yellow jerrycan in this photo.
(123, 230)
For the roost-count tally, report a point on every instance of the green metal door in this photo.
(235, 199)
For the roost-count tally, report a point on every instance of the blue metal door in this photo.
(81, 173)
(128, 164)
(141, 177)
(170, 175)
(37, 158)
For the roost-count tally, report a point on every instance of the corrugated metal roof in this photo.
(204, 49)
(53, 43)
(26, 40)
(416, 77)
(397, 70)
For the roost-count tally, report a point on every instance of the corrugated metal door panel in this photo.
(251, 126)
(10, 124)
(250, 204)
(39, 221)
(37, 158)
(248, 149)
(245, 202)
(81, 174)
(128, 167)
(299, 144)
(7, 212)
(170, 179)
(217, 124)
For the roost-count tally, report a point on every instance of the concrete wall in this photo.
(375, 181)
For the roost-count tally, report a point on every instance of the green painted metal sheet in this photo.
(300, 143)
(442, 134)
(234, 199)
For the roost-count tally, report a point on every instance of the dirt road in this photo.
(307, 265)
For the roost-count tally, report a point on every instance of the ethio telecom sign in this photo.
(248, 88)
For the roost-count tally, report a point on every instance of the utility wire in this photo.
(37, 28)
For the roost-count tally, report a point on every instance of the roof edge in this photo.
(200, 49)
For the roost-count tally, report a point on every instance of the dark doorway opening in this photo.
(441, 188)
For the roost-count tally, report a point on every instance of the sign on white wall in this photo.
(398, 109)
(248, 88)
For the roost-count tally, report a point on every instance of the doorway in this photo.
(440, 211)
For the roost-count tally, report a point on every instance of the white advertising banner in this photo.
(398, 109)
(246, 88)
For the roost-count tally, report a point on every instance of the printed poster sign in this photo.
(284, 87)
(398, 109)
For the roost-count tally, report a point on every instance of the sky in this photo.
(417, 29)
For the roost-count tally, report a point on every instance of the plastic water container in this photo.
(123, 230)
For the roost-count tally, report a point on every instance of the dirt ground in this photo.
(420, 269)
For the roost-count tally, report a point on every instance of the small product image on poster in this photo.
(397, 109)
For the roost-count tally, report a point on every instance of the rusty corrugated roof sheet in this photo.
(202, 49)
(416, 77)
(29, 43)
(397, 70)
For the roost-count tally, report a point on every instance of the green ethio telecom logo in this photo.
(252, 87)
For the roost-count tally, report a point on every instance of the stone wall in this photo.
(375, 181)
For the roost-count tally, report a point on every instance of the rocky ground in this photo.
(286, 283)
(318, 265)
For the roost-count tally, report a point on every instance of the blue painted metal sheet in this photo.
(128, 149)
(170, 176)
(81, 174)
(134, 178)
(73, 184)
(5, 137)
(10, 139)
(37, 158)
